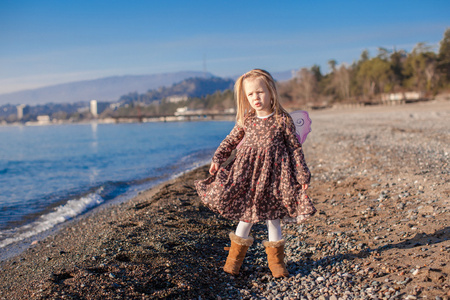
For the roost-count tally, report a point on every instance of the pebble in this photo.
(329, 276)
(427, 209)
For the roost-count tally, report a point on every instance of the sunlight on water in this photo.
(50, 174)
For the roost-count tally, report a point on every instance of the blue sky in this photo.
(50, 42)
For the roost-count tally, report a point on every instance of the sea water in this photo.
(52, 174)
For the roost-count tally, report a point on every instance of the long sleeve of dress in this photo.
(228, 145)
(295, 149)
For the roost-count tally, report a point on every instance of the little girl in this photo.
(267, 179)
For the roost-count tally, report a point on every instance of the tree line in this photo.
(365, 80)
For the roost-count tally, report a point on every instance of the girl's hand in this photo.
(214, 168)
(304, 187)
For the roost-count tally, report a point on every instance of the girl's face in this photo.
(258, 95)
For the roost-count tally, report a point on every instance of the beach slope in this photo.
(380, 184)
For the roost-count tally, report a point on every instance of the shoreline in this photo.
(124, 120)
(380, 184)
(199, 118)
(15, 248)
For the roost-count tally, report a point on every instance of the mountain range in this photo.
(106, 89)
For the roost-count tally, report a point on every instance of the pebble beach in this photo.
(381, 186)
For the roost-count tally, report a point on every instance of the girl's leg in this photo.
(243, 229)
(274, 229)
(275, 249)
(239, 246)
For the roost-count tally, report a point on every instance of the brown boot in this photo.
(275, 257)
(237, 252)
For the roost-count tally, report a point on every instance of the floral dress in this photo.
(263, 181)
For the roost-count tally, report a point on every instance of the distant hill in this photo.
(103, 89)
(108, 88)
(284, 76)
(191, 87)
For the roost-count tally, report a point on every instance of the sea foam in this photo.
(60, 214)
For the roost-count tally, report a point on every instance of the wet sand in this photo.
(380, 184)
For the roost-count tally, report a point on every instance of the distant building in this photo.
(231, 110)
(115, 106)
(402, 96)
(181, 111)
(43, 119)
(22, 110)
(176, 99)
(185, 111)
(84, 109)
(96, 108)
(93, 109)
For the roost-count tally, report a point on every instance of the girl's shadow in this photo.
(307, 265)
(420, 239)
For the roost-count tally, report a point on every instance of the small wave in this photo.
(69, 210)
(191, 167)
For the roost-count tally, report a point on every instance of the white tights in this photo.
(273, 227)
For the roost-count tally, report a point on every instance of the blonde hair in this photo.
(243, 105)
